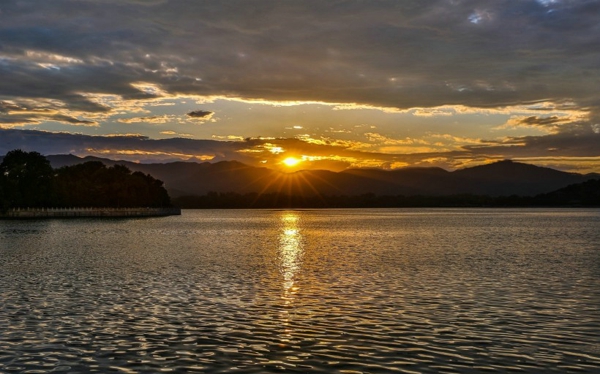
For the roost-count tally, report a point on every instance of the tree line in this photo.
(27, 180)
(586, 194)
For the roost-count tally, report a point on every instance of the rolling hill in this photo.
(502, 178)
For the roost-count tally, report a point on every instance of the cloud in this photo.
(541, 121)
(173, 133)
(575, 148)
(580, 143)
(83, 63)
(549, 124)
(12, 114)
(71, 120)
(151, 119)
(131, 146)
(201, 115)
(385, 53)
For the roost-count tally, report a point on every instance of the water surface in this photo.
(252, 291)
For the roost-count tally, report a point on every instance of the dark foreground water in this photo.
(344, 291)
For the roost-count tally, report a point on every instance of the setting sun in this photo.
(291, 161)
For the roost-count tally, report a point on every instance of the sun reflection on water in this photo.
(290, 254)
(290, 249)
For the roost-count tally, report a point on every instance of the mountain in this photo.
(518, 178)
(497, 179)
(583, 194)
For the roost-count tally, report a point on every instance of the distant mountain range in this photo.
(503, 178)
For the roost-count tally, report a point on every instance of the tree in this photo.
(81, 185)
(92, 184)
(26, 179)
(4, 202)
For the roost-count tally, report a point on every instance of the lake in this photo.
(331, 291)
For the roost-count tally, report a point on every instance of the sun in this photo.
(291, 161)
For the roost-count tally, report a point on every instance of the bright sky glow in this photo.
(291, 161)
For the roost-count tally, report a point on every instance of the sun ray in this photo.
(263, 191)
(324, 181)
(313, 188)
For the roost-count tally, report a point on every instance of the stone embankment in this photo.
(21, 213)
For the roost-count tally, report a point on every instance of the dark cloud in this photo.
(133, 147)
(485, 53)
(200, 114)
(580, 140)
(14, 114)
(541, 121)
(5, 107)
(71, 120)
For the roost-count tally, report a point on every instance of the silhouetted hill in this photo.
(408, 181)
(497, 179)
(584, 194)
(518, 178)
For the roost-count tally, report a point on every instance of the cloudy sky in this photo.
(337, 84)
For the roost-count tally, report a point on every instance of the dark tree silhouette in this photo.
(93, 184)
(26, 179)
(4, 201)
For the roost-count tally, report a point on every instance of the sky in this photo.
(334, 84)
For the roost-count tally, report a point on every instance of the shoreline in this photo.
(36, 213)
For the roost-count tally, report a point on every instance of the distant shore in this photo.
(35, 213)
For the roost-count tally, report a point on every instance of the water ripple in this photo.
(355, 291)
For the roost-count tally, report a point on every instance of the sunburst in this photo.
(291, 161)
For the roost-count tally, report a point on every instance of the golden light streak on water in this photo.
(290, 248)
(290, 253)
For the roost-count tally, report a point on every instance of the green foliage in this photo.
(28, 180)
